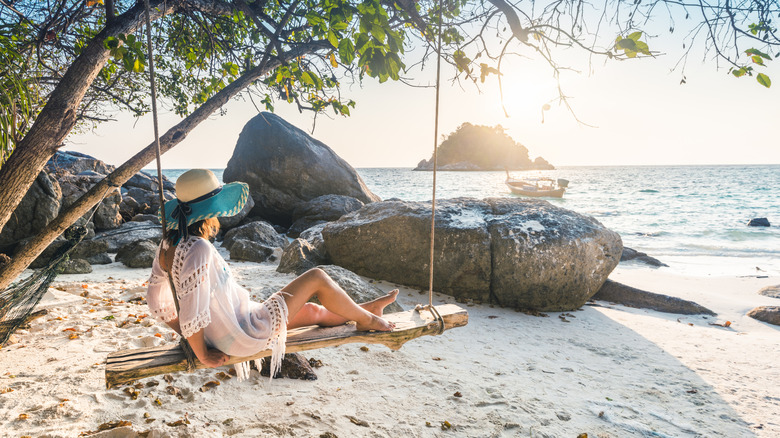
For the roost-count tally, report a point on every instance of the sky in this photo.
(638, 112)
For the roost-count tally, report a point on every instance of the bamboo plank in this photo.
(128, 365)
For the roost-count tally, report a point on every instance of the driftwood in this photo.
(128, 365)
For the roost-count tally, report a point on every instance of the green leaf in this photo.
(378, 33)
(758, 53)
(739, 72)
(346, 51)
(627, 44)
(635, 36)
(758, 60)
(333, 39)
(764, 80)
(138, 66)
(306, 79)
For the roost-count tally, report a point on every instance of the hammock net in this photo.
(19, 300)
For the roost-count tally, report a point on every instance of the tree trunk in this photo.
(58, 117)
(172, 137)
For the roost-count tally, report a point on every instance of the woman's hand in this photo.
(213, 358)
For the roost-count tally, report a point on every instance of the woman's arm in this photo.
(210, 357)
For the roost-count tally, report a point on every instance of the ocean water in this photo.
(694, 218)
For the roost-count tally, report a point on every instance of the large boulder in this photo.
(771, 291)
(299, 257)
(250, 251)
(285, 167)
(322, 209)
(521, 253)
(358, 289)
(229, 222)
(39, 206)
(767, 314)
(258, 232)
(130, 232)
(107, 216)
(254, 242)
(72, 162)
(139, 254)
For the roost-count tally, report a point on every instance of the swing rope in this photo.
(430, 307)
(188, 353)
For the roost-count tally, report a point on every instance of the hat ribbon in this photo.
(184, 209)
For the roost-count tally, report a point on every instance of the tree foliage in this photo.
(69, 64)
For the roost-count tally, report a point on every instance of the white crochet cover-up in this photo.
(210, 299)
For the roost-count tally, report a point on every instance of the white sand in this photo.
(610, 371)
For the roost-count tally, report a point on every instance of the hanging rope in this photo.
(430, 307)
(188, 353)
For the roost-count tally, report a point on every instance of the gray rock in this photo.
(294, 366)
(313, 235)
(299, 257)
(138, 254)
(146, 218)
(259, 232)
(615, 292)
(243, 249)
(130, 232)
(759, 222)
(148, 182)
(107, 216)
(516, 252)
(89, 248)
(767, 314)
(285, 167)
(76, 266)
(129, 207)
(322, 209)
(99, 259)
(632, 254)
(358, 289)
(39, 206)
(545, 257)
(771, 291)
(230, 222)
(75, 163)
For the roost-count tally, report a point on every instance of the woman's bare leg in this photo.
(315, 314)
(315, 282)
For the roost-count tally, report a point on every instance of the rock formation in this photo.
(514, 252)
(285, 168)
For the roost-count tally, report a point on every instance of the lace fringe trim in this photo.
(200, 321)
(277, 342)
(166, 314)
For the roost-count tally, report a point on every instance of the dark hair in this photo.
(207, 229)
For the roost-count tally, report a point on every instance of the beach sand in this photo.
(605, 370)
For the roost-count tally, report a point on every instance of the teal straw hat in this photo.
(200, 196)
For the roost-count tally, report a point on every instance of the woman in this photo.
(216, 315)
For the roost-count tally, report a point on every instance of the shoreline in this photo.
(608, 370)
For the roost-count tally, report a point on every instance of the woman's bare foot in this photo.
(377, 306)
(376, 323)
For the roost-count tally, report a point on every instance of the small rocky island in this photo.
(478, 147)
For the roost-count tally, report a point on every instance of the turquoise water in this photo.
(691, 217)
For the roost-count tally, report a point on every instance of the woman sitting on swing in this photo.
(216, 315)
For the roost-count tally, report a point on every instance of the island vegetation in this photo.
(479, 147)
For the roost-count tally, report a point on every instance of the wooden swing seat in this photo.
(128, 365)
